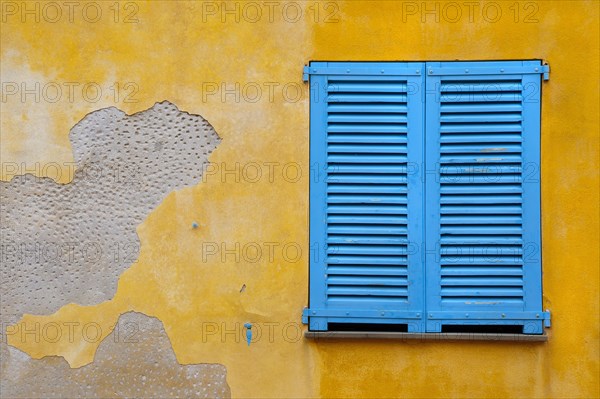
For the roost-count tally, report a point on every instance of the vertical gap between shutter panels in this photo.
(423, 178)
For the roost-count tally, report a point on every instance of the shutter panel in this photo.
(483, 264)
(366, 195)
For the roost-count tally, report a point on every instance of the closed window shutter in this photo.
(483, 262)
(366, 194)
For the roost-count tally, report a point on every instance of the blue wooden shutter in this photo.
(366, 195)
(483, 262)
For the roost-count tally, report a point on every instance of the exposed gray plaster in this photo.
(70, 243)
(136, 360)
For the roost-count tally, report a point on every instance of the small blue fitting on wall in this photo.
(248, 332)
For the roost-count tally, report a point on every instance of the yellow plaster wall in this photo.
(171, 53)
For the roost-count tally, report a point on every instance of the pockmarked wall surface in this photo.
(154, 198)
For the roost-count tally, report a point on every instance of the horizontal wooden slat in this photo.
(367, 209)
(482, 292)
(393, 128)
(367, 148)
(366, 87)
(367, 270)
(367, 158)
(384, 281)
(482, 198)
(367, 291)
(367, 108)
(367, 178)
(480, 188)
(367, 168)
(367, 219)
(480, 97)
(487, 230)
(457, 260)
(358, 249)
(367, 138)
(367, 118)
(477, 148)
(367, 229)
(480, 127)
(485, 281)
(480, 178)
(475, 138)
(480, 240)
(482, 86)
(486, 107)
(481, 158)
(480, 209)
(366, 260)
(481, 271)
(342, 188)
(366, 98)
(480, 219)
(396, 240)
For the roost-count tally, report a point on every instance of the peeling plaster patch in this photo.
(70, 243)
(135, 360)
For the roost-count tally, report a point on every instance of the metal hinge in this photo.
(546, 318)
(305, 73)
(305, 316)
(546, 73)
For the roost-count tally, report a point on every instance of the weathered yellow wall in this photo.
(171, 53)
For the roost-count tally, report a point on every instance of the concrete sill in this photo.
(332, 335)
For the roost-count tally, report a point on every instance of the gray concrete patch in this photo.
(135, 360)
(63, 243)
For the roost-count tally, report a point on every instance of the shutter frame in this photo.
(426, 311)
